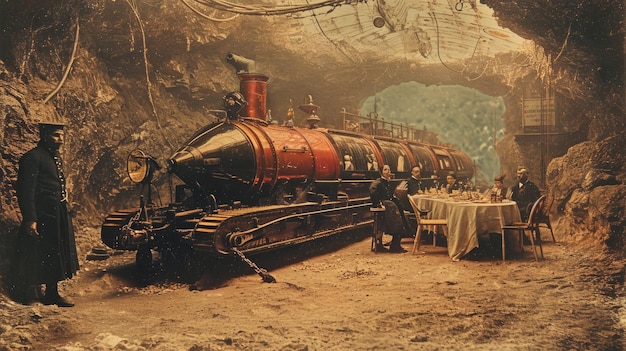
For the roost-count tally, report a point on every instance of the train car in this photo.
(248, 186)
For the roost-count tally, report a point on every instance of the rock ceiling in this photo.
(426, 32)
(373, 44)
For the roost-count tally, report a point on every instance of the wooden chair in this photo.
(531, 226)
(544, 217)
(388, 219)
(422, 223)
(378, 230)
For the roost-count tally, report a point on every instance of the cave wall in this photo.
(582, 62)
(114, 100)
(582, 56)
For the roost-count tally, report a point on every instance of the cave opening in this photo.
(462, 117)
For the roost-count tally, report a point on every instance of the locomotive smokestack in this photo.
(241, 64)
(252, 85)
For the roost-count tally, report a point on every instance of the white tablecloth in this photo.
(466, 220)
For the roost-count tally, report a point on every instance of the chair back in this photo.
(401, 192)
(544, 215)
(416, 210)
(536, 210)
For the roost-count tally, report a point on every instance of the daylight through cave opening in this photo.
(464, 117)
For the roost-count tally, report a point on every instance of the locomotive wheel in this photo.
(143, 260)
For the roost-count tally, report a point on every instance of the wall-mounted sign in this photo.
(537, 112)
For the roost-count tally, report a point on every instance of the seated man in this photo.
(415, 185)
(453, 184)
(498, 187)
(525, 193)
(381, 195)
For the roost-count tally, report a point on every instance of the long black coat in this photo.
(380, 190)
(415, 186)
(52, 255)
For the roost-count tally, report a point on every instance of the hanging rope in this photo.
(69, 65)
(133, 6)
(465, 66)
(267, 10)
(208, 17)
(569, 31)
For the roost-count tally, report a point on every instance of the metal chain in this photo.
(459, 5)
(267, 278)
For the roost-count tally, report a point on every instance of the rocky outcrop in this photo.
(589, 189)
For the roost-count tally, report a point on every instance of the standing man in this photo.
(46, 248)
(525, 193)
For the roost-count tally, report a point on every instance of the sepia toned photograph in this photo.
(300, 175)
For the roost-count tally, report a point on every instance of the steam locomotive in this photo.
(248, 185)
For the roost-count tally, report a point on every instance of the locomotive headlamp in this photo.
(140, 166)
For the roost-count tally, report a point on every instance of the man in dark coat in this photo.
(525, 193)
(380, 189)
(415, 184)
(381, 195)
(452, 183)
(46, 248)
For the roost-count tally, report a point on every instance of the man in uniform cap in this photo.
(525, 193)
(46, 248)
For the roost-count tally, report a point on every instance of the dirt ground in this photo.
(338, 295)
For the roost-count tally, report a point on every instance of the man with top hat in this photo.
(524, 192)
(46, 247)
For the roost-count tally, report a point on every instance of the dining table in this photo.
(468, 216)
